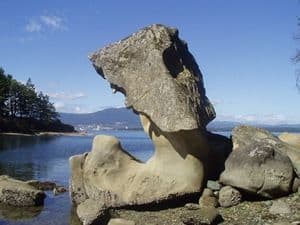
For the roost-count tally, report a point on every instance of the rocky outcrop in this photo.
(292, 139)
(258, 163)
(47, 186)
(159, 78)
(43, 186)
(163, 84)
(18, 193)
(175, 170)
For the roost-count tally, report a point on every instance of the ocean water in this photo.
(46, 158)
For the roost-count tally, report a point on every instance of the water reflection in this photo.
(15, 141)
(19, 213)
(47, 158)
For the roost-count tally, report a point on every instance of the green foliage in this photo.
(22, 101)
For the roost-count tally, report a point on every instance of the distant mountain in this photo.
(112, 117)
(122, 118)
(229, 125)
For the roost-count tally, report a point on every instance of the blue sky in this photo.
(243, 49)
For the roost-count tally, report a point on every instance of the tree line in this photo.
(18, 100)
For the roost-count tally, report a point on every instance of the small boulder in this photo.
(208, 199)
(120, 221)
(18, 193)
(42, 185)
(59, 189)
(213, 185)
(207, 192)
(204, 216)
(228, 196)
(279, 207)
(258, 165)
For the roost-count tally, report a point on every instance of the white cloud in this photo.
(78, 109)
(53, 22)
(271, 119)
(33, 26)
(59, 105)
(71, 108)
(44, 23)
(216, 102)
(67, 96)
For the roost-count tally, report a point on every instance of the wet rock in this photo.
(279, 207)
(228, 196)
(119, 221)
(14, 213)
(18, 193)
(42, 185)
(59, 189)
(258, 164)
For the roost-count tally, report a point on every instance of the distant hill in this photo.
(229, 125)
(112, 117)
(121, 118)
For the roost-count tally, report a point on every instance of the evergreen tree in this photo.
(19, 100)
(4, 93)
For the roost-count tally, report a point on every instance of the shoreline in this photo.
(71, 134)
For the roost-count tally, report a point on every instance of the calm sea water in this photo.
(46, 158)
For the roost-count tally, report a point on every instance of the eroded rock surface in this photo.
(18, 193)
(159, 77)
(163, 84)
(258, 163)
(113, 176)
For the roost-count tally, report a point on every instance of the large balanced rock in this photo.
(258, 164)
(162, 82)
(18, 193)
(159, 77)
